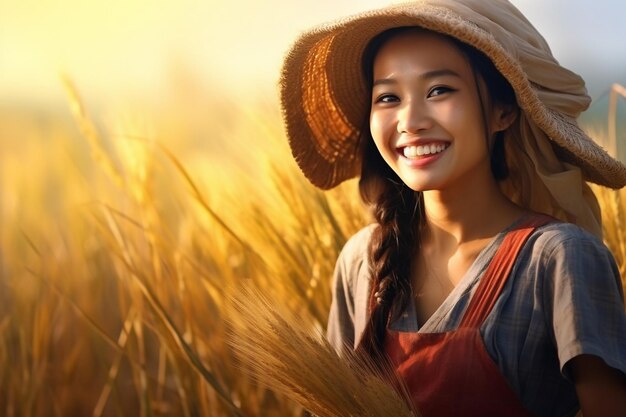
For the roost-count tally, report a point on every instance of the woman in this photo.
(482, 281)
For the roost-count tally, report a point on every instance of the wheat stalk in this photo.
(284, 352)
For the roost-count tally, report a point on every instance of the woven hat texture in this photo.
(325, 99)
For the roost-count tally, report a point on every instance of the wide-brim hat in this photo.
(326, 100)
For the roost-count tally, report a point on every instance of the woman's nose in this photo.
(413, 117)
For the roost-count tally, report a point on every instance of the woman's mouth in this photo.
(416, 152)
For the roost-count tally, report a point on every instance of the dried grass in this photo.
(121, 254)
(285, 352)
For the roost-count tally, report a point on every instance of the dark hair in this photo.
(398, 209)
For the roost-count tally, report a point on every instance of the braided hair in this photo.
(398, 212)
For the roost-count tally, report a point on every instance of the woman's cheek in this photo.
(380, 127)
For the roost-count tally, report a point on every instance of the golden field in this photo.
(125, 240)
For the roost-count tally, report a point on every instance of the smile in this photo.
(413, 152)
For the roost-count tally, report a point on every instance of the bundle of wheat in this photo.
(290, 355)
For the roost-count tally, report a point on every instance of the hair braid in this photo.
(397, 211)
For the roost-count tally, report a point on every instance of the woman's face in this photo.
(426, 117)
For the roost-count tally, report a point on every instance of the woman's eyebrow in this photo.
(439, 73)
(427, 75)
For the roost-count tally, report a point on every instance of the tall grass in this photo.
(123, 250)
(119, 261)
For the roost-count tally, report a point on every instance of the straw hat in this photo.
(325, 99)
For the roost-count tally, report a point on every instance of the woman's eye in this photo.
(437, 91)
(387, 98)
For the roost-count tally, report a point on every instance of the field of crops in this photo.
(124, 241)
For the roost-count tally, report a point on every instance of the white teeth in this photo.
(412, 152)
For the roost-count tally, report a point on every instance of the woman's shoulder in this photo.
(571, 250)
(352, 263)
(356, 246)
(558, 236)
(353, 258)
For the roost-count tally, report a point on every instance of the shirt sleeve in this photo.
(347, 309)
(340, 329)
(587, 302)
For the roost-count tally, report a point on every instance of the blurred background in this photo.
(139, 58)
(118, 49)
(144, 176)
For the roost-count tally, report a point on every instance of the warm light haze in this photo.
(119, 48)
(145, 179)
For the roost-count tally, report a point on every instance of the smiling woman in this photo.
(484, 281)
(131, 237)
(424, 83)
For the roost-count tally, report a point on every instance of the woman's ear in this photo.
(504, 116)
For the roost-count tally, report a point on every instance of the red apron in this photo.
(451, 374)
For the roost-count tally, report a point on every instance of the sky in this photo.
(115, 48)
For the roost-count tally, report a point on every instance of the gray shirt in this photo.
(564, 298)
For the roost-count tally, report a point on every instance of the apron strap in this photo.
(493, 280)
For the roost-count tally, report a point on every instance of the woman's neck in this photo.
(465, 213)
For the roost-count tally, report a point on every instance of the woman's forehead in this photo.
(419, 52)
